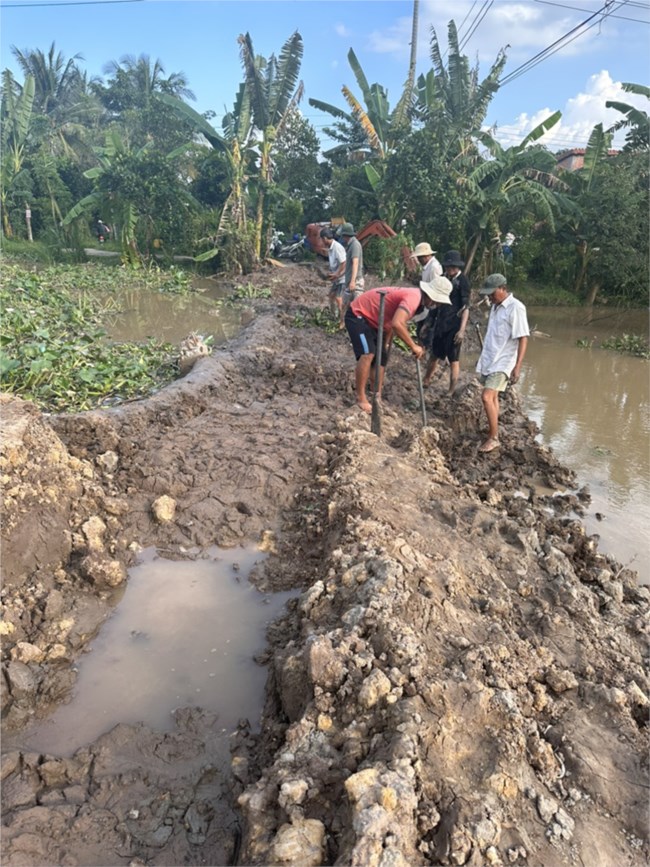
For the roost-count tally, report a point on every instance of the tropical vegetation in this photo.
(131, 150)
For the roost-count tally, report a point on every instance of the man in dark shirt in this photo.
(445, 329)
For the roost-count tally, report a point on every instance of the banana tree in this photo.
(512, 180)
(235, 145)
(451, 101)
(636, 121)
(16, 116)
(123, 188)
(274, 93)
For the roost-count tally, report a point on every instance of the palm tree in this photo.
(274, 92)
(512, 180)
(134, 81)
(57, 81)
(62, 98)
(16, 119)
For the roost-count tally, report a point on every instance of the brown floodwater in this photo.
(593, 409)
(145, 313)
(183, 634)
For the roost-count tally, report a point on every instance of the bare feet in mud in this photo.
(490, 445)
(365, 406)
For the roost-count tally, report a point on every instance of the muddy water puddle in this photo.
(144, 313)
(593, 409)
(183, 635)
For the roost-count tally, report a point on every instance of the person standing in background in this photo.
(354, 282)
(337, 257)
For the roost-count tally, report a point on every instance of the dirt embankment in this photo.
(460, 682)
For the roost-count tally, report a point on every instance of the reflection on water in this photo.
(592, 406)
(145, 313)
(183, 634)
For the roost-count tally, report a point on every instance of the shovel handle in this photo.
(380, 340)
(421, 390)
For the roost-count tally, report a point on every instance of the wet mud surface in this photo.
(462, 679)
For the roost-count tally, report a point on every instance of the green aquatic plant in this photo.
(250, 290)
(54, 350)
(632, 344)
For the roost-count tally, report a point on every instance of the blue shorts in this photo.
(363, 337)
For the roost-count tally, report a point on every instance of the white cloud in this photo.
(342, 30)
(525, 26)
(579, 115)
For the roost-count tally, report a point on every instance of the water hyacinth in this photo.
(53, 348)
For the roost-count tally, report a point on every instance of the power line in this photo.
(67, 3)
(475, 26)
(578, 30)
(467, 16)
(578, 9)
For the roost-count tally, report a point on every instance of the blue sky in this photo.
(199, 38)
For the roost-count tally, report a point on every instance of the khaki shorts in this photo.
(494, 381)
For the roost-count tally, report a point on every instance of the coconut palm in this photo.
(133, 82)
(62, 99)
(16, 119)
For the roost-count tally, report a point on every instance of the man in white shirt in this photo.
(337, 257)
(431, 267)
(503, 350)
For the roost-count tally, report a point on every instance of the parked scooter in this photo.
(293, 250)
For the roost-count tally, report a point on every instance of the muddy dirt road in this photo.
(461, 680)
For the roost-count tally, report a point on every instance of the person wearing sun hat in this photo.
(400, 305)
(504, 348)
(426, 257)
(445, 328)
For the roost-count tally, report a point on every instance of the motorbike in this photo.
(293, 250)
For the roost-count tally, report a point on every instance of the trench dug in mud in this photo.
(460, 679)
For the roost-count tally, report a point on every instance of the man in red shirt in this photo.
(401, 305)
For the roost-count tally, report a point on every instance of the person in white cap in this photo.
(401, 305)
(426, 257)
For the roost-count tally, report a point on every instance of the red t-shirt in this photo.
(408, 298)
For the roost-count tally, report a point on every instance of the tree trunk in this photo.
(468, 265)
(593, 292)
